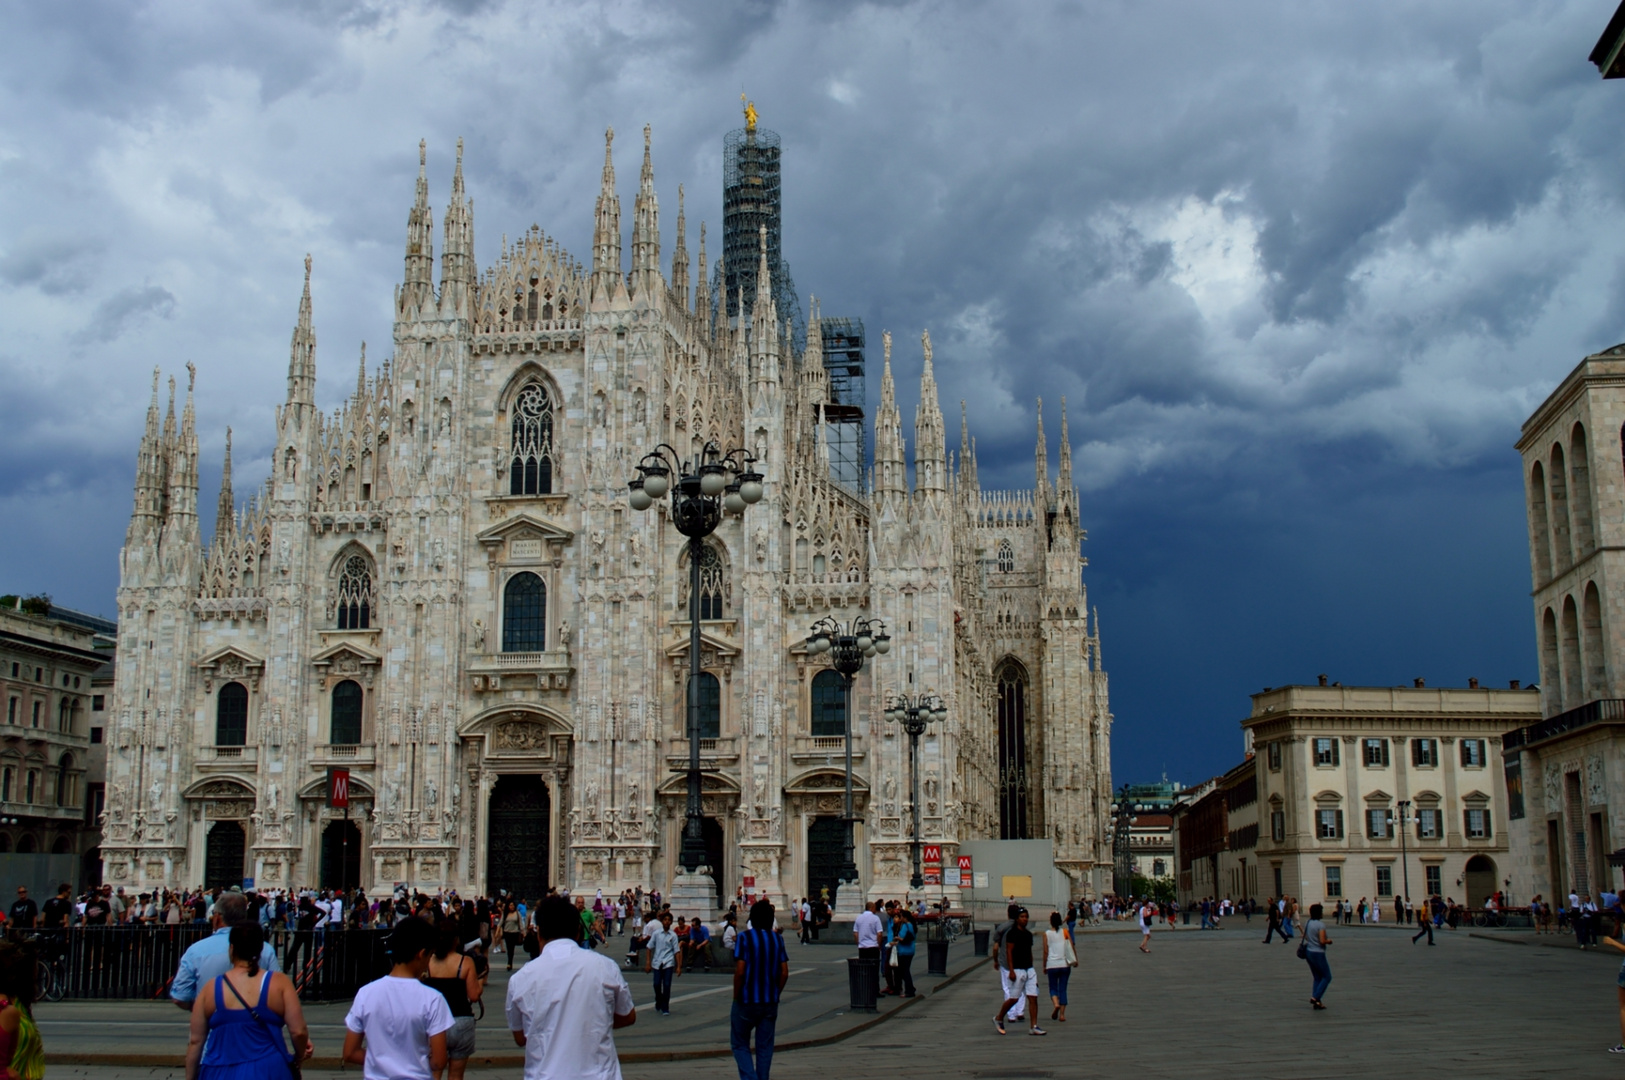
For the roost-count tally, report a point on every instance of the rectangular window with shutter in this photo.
(1278, 825)
(1425, 753)
(1275, 756)
(1376, 753)
(1329, 824)
(1326, 752)
(1427, 824)
(1377, 823)
(1472, 753)
(1385, 881)
(1478, 824)
(1334, 881)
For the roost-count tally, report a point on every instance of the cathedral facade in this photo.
(441, 588)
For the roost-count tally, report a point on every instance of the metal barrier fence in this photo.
(139, 962)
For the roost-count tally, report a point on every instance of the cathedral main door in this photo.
(223, 857)
(341, 856)
(826, 850)
(516, 837)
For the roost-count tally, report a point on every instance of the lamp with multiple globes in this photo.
(915, 714)
(848, 647)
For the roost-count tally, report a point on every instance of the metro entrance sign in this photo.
(966, 874)
(933, 854)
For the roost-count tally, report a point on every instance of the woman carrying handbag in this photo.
(243, 1017)
(1059, 960)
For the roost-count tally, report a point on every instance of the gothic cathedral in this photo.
(441, 588)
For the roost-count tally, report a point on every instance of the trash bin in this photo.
(864, 976)
(936, 958)
(979, 944)
(1187, 916)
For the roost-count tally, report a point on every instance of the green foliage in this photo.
(37, 605)
(1159, 889)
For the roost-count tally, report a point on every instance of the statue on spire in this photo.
(750, 113)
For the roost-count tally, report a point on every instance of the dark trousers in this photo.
(663, 978)
(806, 932)
(747, 1018)
(1275, 928)
(903, 977)
(510, 942)
(875, 955)
(1427, 928)
(299, 941)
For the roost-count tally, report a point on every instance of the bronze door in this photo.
(516, 838)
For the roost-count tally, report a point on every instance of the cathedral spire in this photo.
(457, 253)
(226, 508)
(967, 452)
(606, 233)
(180, 523)
(419, 287)
(361, 377)
(149, 474)
(646, 227)
(764, 331)
(928, 434)
(1041, 461)
(890, 475)
(702, 288)
(302, 353)
(1064, 485)
(679, 256)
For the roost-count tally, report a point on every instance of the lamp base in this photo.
(694, 895)
(848, 903)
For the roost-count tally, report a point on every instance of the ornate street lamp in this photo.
(1123, 813)
(708, 486)
(848, 648)
(914, 713)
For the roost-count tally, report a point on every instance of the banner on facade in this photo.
(338, 788)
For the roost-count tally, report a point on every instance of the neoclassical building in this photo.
(441, 587)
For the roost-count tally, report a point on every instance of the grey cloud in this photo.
(55, 266)
(124, 309)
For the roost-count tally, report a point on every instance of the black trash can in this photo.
(936, 958)
(1187, 916)
(980, 942)
(863, 974)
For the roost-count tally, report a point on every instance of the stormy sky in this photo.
(1299, 269)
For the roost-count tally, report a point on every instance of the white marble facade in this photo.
(441, 587)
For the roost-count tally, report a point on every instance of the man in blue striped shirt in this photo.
(761, 968)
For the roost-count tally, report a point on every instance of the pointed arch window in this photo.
(524, 614)
(1012, 735)
(706, 710)
(711, 579)
(64, 779)
(346, 729)
(530, 471)
(1007, 557)
(355, 594)
(828, 704)
(231, 715)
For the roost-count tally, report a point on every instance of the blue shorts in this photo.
(1621, 980)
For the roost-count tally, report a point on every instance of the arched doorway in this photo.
(223, 856)
(341, 855)
(518, 821)
(716, 856)
(826, 850)
(1479, 880)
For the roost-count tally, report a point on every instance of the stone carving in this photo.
(564, 635)
(521, 735)
(632, 800)
(1596, 787)
(479, 635)
(272, 802)
(155, 795)
(431, 794)
(1554, 788)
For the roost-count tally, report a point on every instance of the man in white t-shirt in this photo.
(397, 1026)
(564, 1010)
(867, 928)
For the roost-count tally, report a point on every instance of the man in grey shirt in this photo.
(996, 944)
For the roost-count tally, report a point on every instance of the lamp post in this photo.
(1124, 819)
(914, 713)
(1404, 859)
(709, 485)
(848, 648)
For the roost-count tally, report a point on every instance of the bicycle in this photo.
(50, 971)
(1490, 918)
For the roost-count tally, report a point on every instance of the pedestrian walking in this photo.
(396, 1027)
(241, 1017)
(208, 958)
(1427, 928)
(1018, 945)
(867, 929)
(22, 1052)
(457, 979)
(565, 1010)
(664, 961)
(761, 968)
(1274, 922)
(1313, 949)
(1059, 959)
(996, 943)
(1147, 914)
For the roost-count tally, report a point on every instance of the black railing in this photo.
(1601, 711)
(139, 962)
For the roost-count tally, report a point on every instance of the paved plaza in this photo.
(1202, 1004)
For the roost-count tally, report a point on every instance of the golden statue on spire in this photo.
(750, 113)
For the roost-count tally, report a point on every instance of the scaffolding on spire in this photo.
(848, 390)
(750, 202)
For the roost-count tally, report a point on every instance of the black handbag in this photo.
(294, 1071)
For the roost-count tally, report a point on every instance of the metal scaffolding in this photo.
(750, 200)
(843, 413)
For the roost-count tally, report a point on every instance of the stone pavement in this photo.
(1215, 1004)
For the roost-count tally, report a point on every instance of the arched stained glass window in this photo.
(355, 594)
(709, 714)
(530, 472)
(710, 583)
(1007, 557)
(524, 614)
(346, 714)
(231, 715)
(1012, 736)
(828, 704)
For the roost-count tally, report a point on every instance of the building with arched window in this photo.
(440, 587)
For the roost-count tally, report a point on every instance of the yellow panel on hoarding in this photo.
(1016, 885)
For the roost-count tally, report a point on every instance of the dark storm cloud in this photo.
(1300, 269)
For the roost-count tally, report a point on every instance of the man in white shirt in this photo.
(665, 961)
(867, 928)
(396, 1028)
(564, 1011)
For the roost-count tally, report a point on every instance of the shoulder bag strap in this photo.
(258, 1019)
